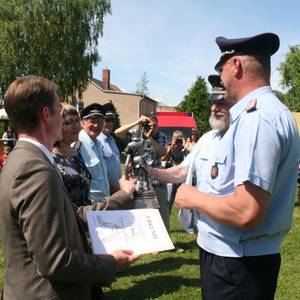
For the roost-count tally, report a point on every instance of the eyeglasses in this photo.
(221, 68)
(58, 108)
(110, 120)
(96, 120)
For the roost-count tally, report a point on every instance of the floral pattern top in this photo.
(76, 177)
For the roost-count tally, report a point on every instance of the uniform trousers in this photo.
(238, 278)
(162, 195)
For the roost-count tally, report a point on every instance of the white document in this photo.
(139, 230)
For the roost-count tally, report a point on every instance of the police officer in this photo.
(92, 122)
(110, 149)
(246, 200)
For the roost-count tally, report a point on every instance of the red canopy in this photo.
(180, 120)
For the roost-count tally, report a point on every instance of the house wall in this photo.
(147, 106)
(129, 106)
(296, 116)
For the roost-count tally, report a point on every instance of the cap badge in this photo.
(227, 52)
(251, 105)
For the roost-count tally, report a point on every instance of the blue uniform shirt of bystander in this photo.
(92, 155)
(112, 157)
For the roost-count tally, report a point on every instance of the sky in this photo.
(173, 41)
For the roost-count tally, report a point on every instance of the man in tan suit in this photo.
(46, 251)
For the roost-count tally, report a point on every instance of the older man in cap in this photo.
(92, 121)
(247, 208)
(198, 162)
(110, 149)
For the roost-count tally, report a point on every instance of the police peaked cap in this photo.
(217, 92)
(92, 110)
(109, 110)
(265, 44)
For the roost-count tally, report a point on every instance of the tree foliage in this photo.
(290, 73)
(56, 39)
(196, 101)
(142, 85)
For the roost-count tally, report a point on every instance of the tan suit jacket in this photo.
(45, 248)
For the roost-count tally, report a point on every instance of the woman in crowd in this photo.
(192, 140)
(9, 137)
(175, 155)
(76, 176)
(74, 173)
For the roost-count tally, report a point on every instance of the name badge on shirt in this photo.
(214, 172)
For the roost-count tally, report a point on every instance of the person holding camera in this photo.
(156, 147)
(192, 139)
(176, 150)
(175, 156)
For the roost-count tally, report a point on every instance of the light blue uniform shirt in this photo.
(261, 146)
(92, 155)
(112, 157)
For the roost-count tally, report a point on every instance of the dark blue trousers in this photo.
(238, 278)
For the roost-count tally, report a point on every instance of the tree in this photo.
(290, 72)
(196, 101)
(56, 39)
(142, 85)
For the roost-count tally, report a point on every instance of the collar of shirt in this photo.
(103, 136)
(85, 138)
(241, 105)
(40, 146)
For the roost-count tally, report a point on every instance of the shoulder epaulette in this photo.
(251, 106)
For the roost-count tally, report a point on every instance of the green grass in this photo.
(172, 275)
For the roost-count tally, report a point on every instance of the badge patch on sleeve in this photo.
(214, 172)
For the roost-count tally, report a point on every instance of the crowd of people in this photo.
(238, 181)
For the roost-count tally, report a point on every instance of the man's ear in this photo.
(44, 114)
(238, 70)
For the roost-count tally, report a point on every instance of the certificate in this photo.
(139, 230)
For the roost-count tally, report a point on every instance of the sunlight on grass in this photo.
(171, 276)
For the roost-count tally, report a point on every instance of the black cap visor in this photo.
(216, 96)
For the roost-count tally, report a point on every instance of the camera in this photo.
(178, 141)
(146, 125)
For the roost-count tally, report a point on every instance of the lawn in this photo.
(172, 275)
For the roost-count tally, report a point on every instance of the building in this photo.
(296, 116)
(130, 106)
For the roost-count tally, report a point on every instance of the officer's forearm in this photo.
(176, 174)
(245, 209)
(122, 131)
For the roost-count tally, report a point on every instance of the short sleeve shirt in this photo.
(92, 154)
(112, 157)
(261, 146)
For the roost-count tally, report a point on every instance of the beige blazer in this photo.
(45, 248)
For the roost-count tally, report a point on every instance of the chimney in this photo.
(106, 79)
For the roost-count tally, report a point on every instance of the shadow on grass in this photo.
(153, 287)
(159, 266)
(191, 245)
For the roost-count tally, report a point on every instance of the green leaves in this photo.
(196, 101)
(57, 39)
(290, 72)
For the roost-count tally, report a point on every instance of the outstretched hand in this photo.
(124, 258)
(183, 197)
(128, 186)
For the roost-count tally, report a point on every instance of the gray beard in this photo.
(220, 124)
